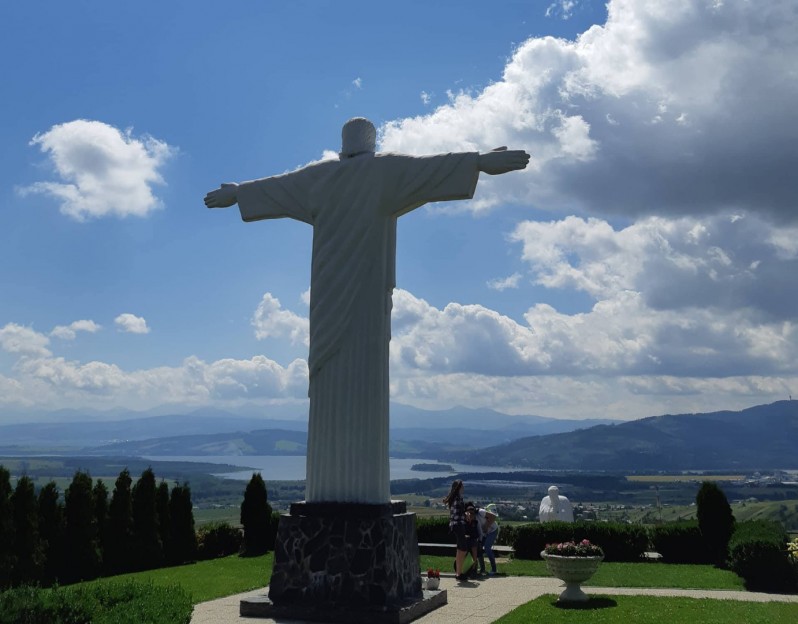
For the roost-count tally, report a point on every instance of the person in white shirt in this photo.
(489, 530)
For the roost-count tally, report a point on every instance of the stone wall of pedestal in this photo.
(346, 554)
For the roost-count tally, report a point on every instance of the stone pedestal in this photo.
(346, 562)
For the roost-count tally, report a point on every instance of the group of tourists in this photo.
(475, 530)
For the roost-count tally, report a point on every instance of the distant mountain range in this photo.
(761, 437)
(414, 432)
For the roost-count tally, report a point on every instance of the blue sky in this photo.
(644, 263)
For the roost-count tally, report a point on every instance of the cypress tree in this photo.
(28, 549)
(181, 512)
(7, 558)
(164, 520)
(82, 547)
(119, 545)
(715, 520)
(255, 517)
(51, 531)
(146, 541)
(100, 496)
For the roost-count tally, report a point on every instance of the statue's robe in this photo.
(562, 510)
(353, 205)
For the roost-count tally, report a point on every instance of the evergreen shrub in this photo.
(218, 539)
(107, 603)
(758, 554)
(434, 530)
(507, 535)
(715, 519)
(680, 542)
(620, 542)
(531, 539)
(255, 517)
(274, 521)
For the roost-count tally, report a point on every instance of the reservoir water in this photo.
(292, 467)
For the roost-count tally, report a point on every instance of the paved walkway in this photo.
(483, 601)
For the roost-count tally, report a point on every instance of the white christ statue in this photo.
(352, 204)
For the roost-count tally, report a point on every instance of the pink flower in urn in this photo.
(574, 549)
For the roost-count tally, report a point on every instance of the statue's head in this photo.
(554, 495)
(358, 136)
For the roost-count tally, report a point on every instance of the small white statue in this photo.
(556, 507)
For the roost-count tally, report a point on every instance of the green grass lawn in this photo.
(206, 580)
(653, 610)
(620, 574)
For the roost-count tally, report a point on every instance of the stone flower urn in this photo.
(573, 571)
(433, 580)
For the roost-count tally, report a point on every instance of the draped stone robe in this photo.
(353, 205)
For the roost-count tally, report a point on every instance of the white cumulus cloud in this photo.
(503, 283)
(131, 324)
(56, 381)
(102, 170)
(24, 341)
(68, 332)
(675, 108)
(716, 262)
(272, 321)
(620, 336)
(563, 9)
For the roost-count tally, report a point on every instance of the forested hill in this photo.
(759, 437)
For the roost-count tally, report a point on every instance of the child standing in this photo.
(473, 535)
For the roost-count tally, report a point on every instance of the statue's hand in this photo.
(223, 197)
(502, 160)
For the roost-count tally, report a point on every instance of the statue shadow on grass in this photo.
(599, 602)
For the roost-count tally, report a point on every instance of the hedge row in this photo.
(758, 554)
(757, 551)
(620, 542)
(681, 542)
(220, 539)
(102, 603)
(435, 530)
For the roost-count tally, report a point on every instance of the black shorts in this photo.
(460, 536)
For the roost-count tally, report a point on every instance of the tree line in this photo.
(46, 540)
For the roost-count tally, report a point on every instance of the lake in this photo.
(292, 467)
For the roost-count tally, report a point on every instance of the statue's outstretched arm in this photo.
(223, 197)
(502, 160)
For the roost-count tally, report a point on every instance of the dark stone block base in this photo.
(346, 556)
(262, 607)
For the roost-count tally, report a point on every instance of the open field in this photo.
(784, 511)
(682, 478)
(208, 515)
